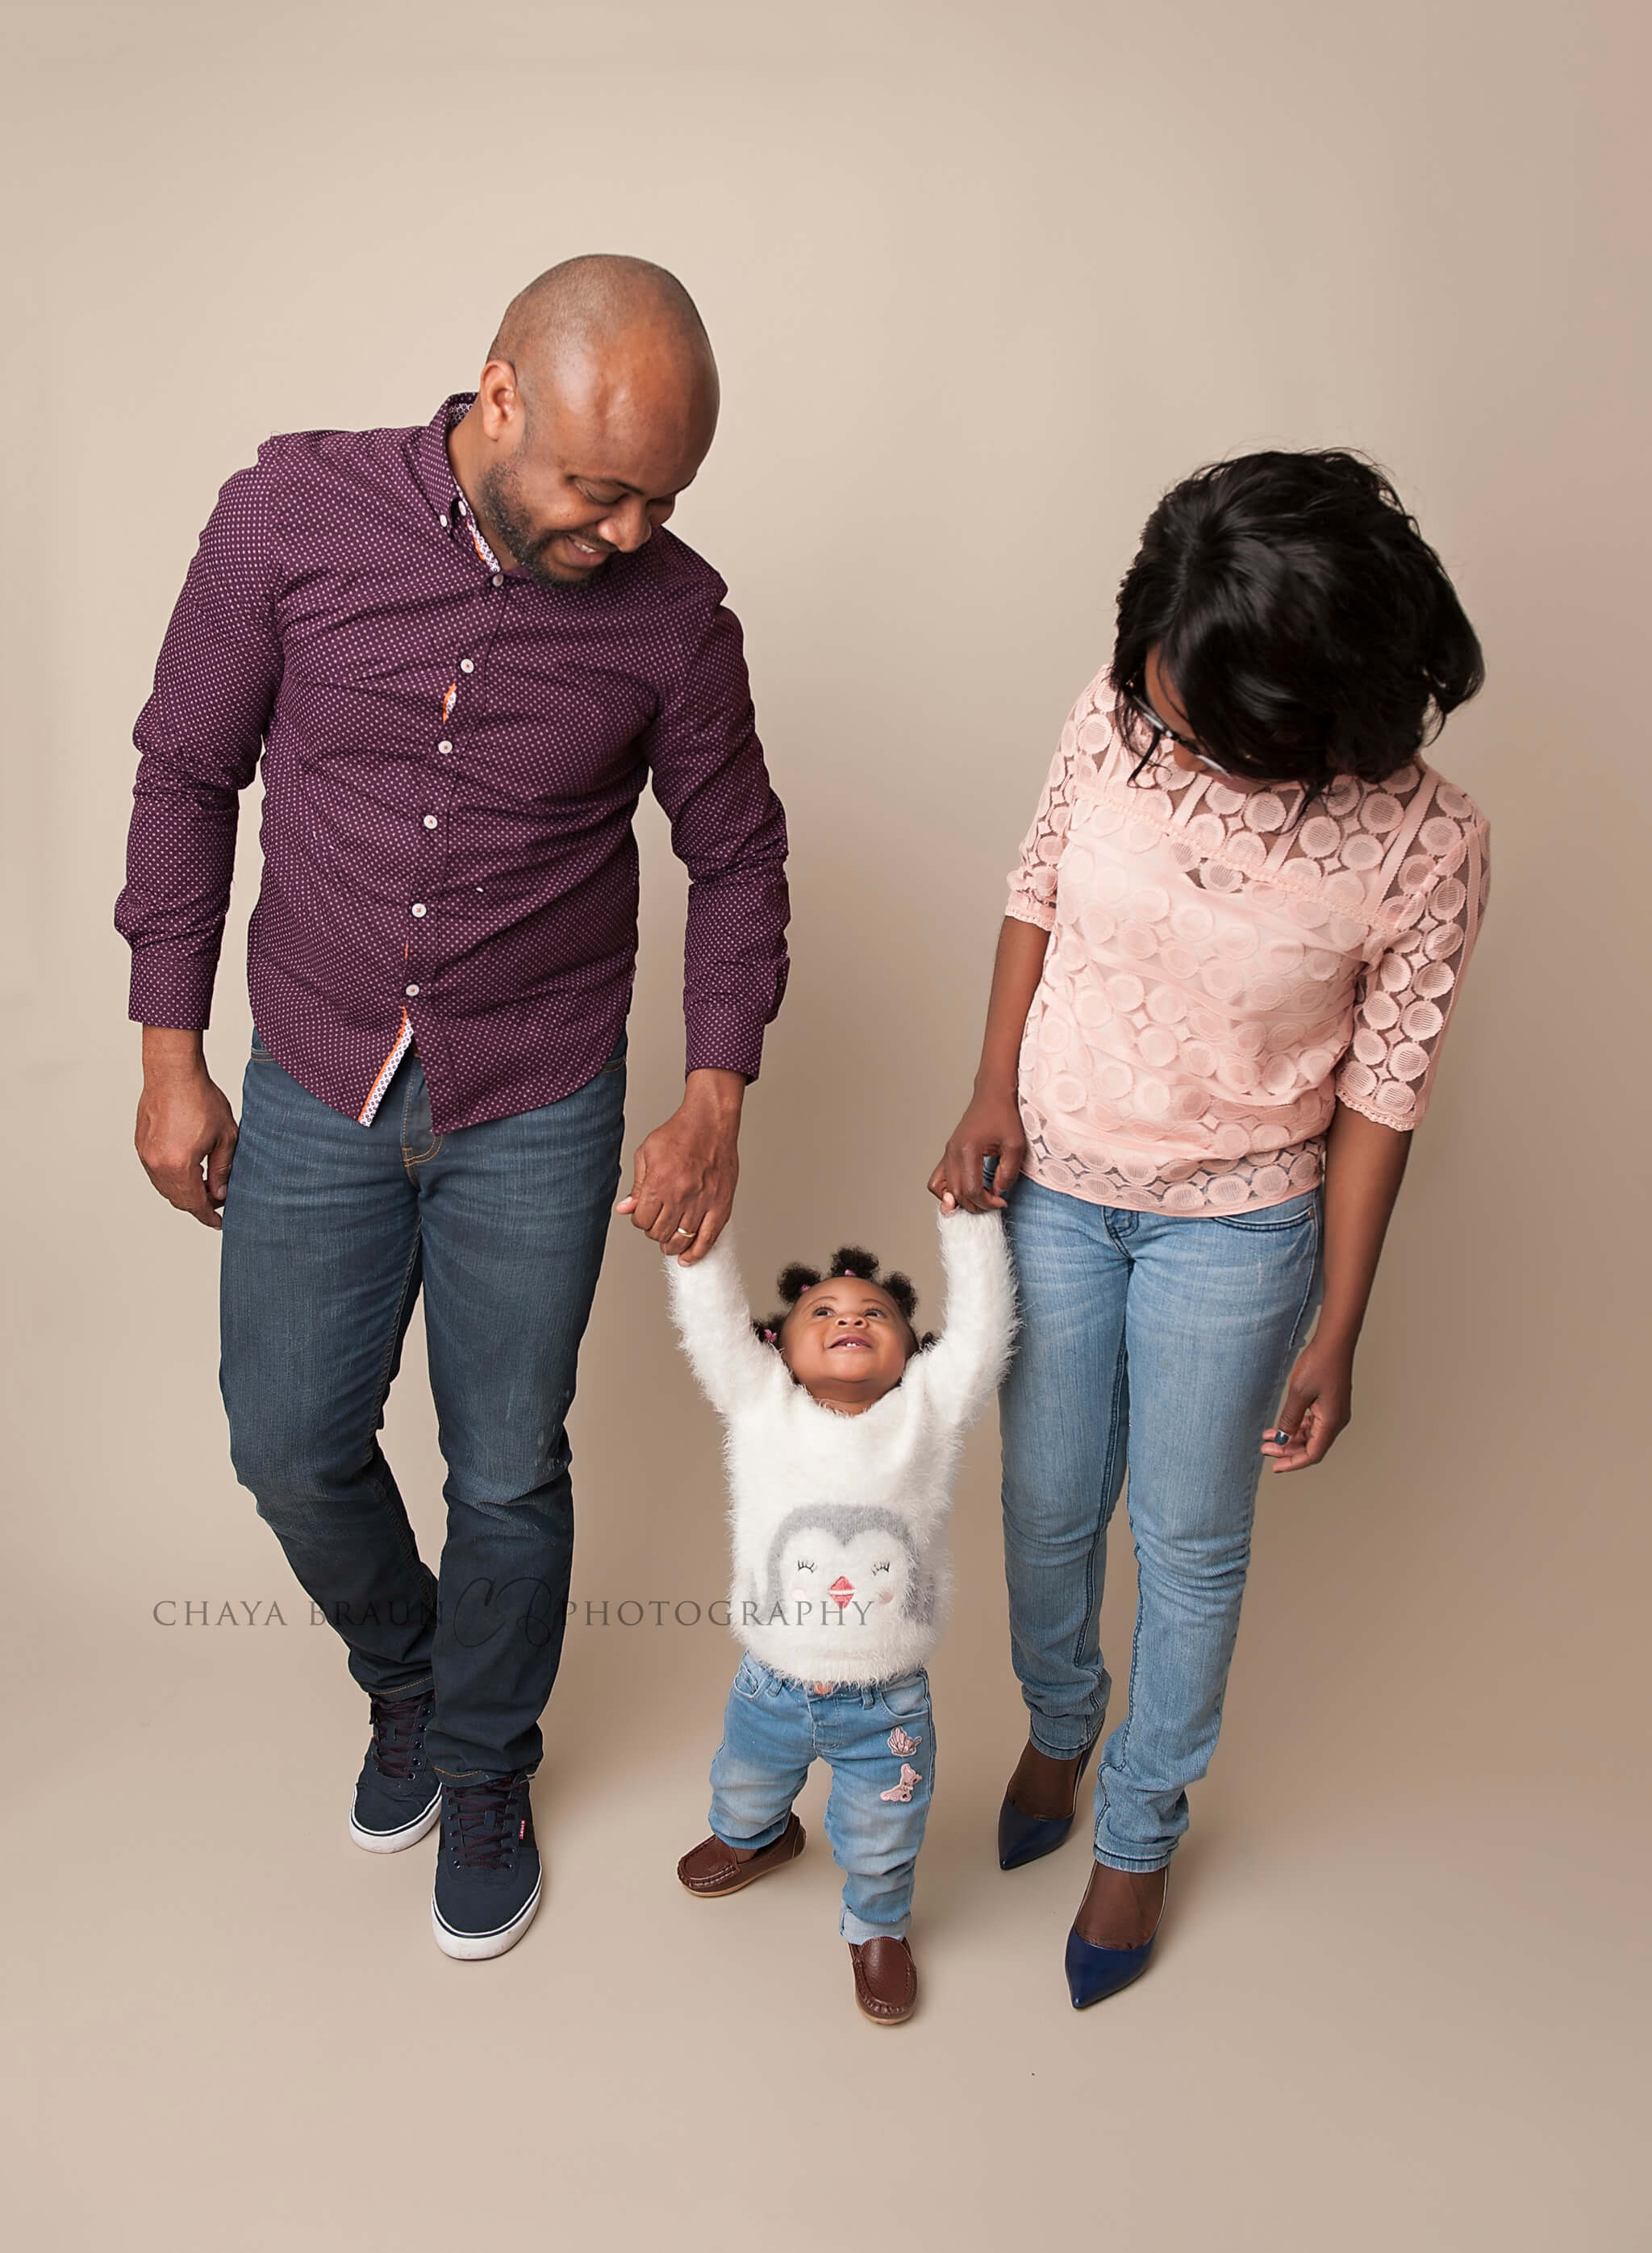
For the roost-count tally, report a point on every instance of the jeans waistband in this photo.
(865, 1693)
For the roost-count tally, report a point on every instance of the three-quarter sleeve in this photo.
(714, 1319)
(1034, 878)
(1406, 993)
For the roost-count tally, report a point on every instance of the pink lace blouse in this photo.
(1226, 964)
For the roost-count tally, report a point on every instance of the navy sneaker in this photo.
(487, 1873)
(398, 1798)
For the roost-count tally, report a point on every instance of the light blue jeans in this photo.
(1161, 1345)
(878, 1738)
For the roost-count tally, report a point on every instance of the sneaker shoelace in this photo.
(489, 1821)
(398, 1735)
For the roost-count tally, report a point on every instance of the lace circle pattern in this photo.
(1226, 963)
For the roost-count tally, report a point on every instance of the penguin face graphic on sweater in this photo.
(839, 1565)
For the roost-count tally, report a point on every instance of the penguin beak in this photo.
(841, 1591)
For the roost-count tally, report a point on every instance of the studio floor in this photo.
(1395, 2014)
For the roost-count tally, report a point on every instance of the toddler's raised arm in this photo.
(962, 1372)
(708, 1306)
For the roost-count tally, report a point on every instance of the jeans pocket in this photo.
(748, 1681)
(617, 1060)
(1273, 1219)
(908, 1694)
(259, 1049)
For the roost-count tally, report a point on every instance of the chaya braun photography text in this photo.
(483, 1610)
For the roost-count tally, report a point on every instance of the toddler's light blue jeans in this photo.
(1162, 1345)
(879, 1741)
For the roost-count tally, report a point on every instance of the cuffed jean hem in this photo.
(1064, 1752)
(1112, 1860)
(857, 1931)
(755, 1845)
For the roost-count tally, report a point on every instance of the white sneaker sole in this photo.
(393, 1842)
(476, 1947)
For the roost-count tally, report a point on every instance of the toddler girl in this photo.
(843, 1434)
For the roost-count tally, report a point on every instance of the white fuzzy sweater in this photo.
(840, 1569)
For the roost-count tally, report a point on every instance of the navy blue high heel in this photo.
(1094, 1973)
(1024, 1838)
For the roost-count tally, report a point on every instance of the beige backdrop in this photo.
(982, 281)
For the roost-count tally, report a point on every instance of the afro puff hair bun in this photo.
(848, 1259)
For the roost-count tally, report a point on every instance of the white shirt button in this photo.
(411, 991)
(418, 907)
(498, 578)
(429, 821)
(466, 665)
(444, 746)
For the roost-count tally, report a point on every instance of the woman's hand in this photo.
(989, 1128)
(992, 1126)
(1364, 1165)
(1318, 1403)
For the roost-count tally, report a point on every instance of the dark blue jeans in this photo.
(331, 1230)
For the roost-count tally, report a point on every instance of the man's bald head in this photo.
(597, 407)
(590, 306)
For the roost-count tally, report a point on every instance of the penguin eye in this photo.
(806, 1563)
(876, 1569)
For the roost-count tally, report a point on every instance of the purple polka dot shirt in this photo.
(453, 755)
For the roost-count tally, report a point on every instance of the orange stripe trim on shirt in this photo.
(384, 1072)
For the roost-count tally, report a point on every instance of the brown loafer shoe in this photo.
(885, 1980)
(712, 1868)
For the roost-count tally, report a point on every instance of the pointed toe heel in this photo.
(1023, 1838)
(1094, 1973)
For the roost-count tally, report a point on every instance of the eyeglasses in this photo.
(1142, 716)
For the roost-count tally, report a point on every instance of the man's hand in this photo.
(683, 1190)
(185, 1128)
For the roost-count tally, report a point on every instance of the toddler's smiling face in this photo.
(846, 1342)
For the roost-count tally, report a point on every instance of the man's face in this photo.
(584, 463)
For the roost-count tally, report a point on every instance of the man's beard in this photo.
(528, 547)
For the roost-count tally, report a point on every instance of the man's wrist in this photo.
(721, 1093)
(173, 1052)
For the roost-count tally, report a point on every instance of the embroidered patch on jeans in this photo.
(903, 1790)
(900, 1742)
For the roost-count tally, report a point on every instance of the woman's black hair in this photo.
(847, 1260)
(1305, 625)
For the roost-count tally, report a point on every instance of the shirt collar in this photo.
(430, 464)
(441, 487)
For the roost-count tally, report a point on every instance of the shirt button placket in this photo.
(431, 824)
